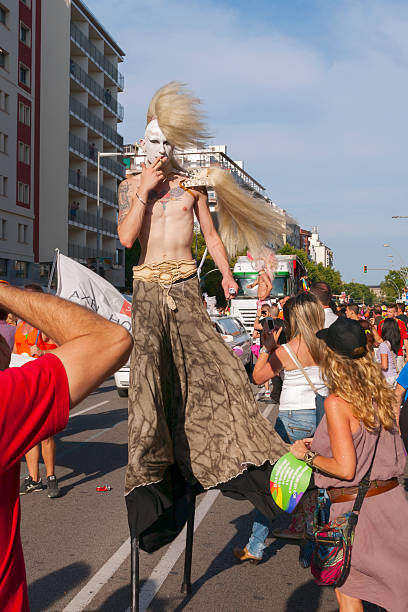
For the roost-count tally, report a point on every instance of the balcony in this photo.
(96, 56)
(100, 127)
(77, 251)
(102, 95)
(83, 217)
(89, 187)
(83, 148)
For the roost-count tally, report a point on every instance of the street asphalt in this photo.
(76, 549)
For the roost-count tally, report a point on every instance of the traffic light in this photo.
(365, 269)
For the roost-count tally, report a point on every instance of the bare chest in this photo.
(170, 201)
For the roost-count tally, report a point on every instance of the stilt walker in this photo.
(193, 420)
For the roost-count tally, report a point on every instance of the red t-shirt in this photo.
(403, 332)
(34, 405)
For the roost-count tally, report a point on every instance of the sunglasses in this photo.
(263, 312)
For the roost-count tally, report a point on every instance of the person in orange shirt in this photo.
(31, 341)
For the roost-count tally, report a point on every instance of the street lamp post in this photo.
(403, 274)
(98, 203)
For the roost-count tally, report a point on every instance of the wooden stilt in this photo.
(134, 572)
(186, 585)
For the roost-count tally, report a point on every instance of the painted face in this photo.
(155, 143)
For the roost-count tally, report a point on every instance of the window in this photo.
(24, 113)
(3, 15)
(24, 75)
(22, 233)
(3, 267)
(119, 257)
(4, 101)
(25, 34)
(23, 193)
(3, 143)
(21, 269)
(23, 153)
(3, 185)
(3, 229)
(3, 58)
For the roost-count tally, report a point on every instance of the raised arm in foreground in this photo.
(90, 347)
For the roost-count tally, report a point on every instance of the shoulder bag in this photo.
(333, 540)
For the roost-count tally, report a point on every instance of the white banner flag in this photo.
(77, 283)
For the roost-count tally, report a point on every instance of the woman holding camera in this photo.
(297, 408)
(359, 428)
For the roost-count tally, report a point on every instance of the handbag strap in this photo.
(364, 484)
(299, 365)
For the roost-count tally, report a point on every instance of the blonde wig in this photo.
(306, 317)
(178, 115)
(361, 383)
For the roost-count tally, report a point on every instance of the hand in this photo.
(151, 176)
(36, 352)
(5, 354)
(299, 449)
(227, 284)
(270, 339)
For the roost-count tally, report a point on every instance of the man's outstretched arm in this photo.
(90, 347)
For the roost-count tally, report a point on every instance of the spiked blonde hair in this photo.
(178, 115)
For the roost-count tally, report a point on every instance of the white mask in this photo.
(155, 143)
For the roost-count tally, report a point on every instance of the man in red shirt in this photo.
(41, 394)
(392, 314)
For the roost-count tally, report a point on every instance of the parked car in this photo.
(122, 380)
(235, 335)
(122, 375)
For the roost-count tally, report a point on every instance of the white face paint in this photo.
(155, 143)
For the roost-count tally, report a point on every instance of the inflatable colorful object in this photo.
(290, 478)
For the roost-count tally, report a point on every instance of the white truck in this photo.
(286, 281)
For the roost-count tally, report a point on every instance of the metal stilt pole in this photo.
(134, 572)
(186, 586)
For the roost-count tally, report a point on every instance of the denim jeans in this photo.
(291, 425)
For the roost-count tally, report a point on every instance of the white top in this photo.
(297, 394)
(329, 317)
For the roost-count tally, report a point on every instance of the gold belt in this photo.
(165, 274)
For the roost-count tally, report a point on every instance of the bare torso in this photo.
(167, 229)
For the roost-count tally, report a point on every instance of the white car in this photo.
(122, 380)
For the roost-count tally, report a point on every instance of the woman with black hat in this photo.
(358, 412)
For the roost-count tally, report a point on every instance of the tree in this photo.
(393, 284)
(359, 293)
(131, 259)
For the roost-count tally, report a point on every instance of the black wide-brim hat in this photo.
(346, 337)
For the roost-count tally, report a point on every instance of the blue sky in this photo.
(311, 94)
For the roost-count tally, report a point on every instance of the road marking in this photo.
(71, 416)
(82, 599)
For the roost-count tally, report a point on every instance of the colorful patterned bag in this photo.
(331, 553)
(333, 540)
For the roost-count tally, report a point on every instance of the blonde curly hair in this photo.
(361, 383)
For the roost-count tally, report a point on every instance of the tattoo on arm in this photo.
(124, 193)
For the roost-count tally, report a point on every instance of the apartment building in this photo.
(59, 86)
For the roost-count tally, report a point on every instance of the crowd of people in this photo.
(353, 359)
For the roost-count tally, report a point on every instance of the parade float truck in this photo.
(287, 281)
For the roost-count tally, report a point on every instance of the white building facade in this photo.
(318, 251)
(59, 86)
